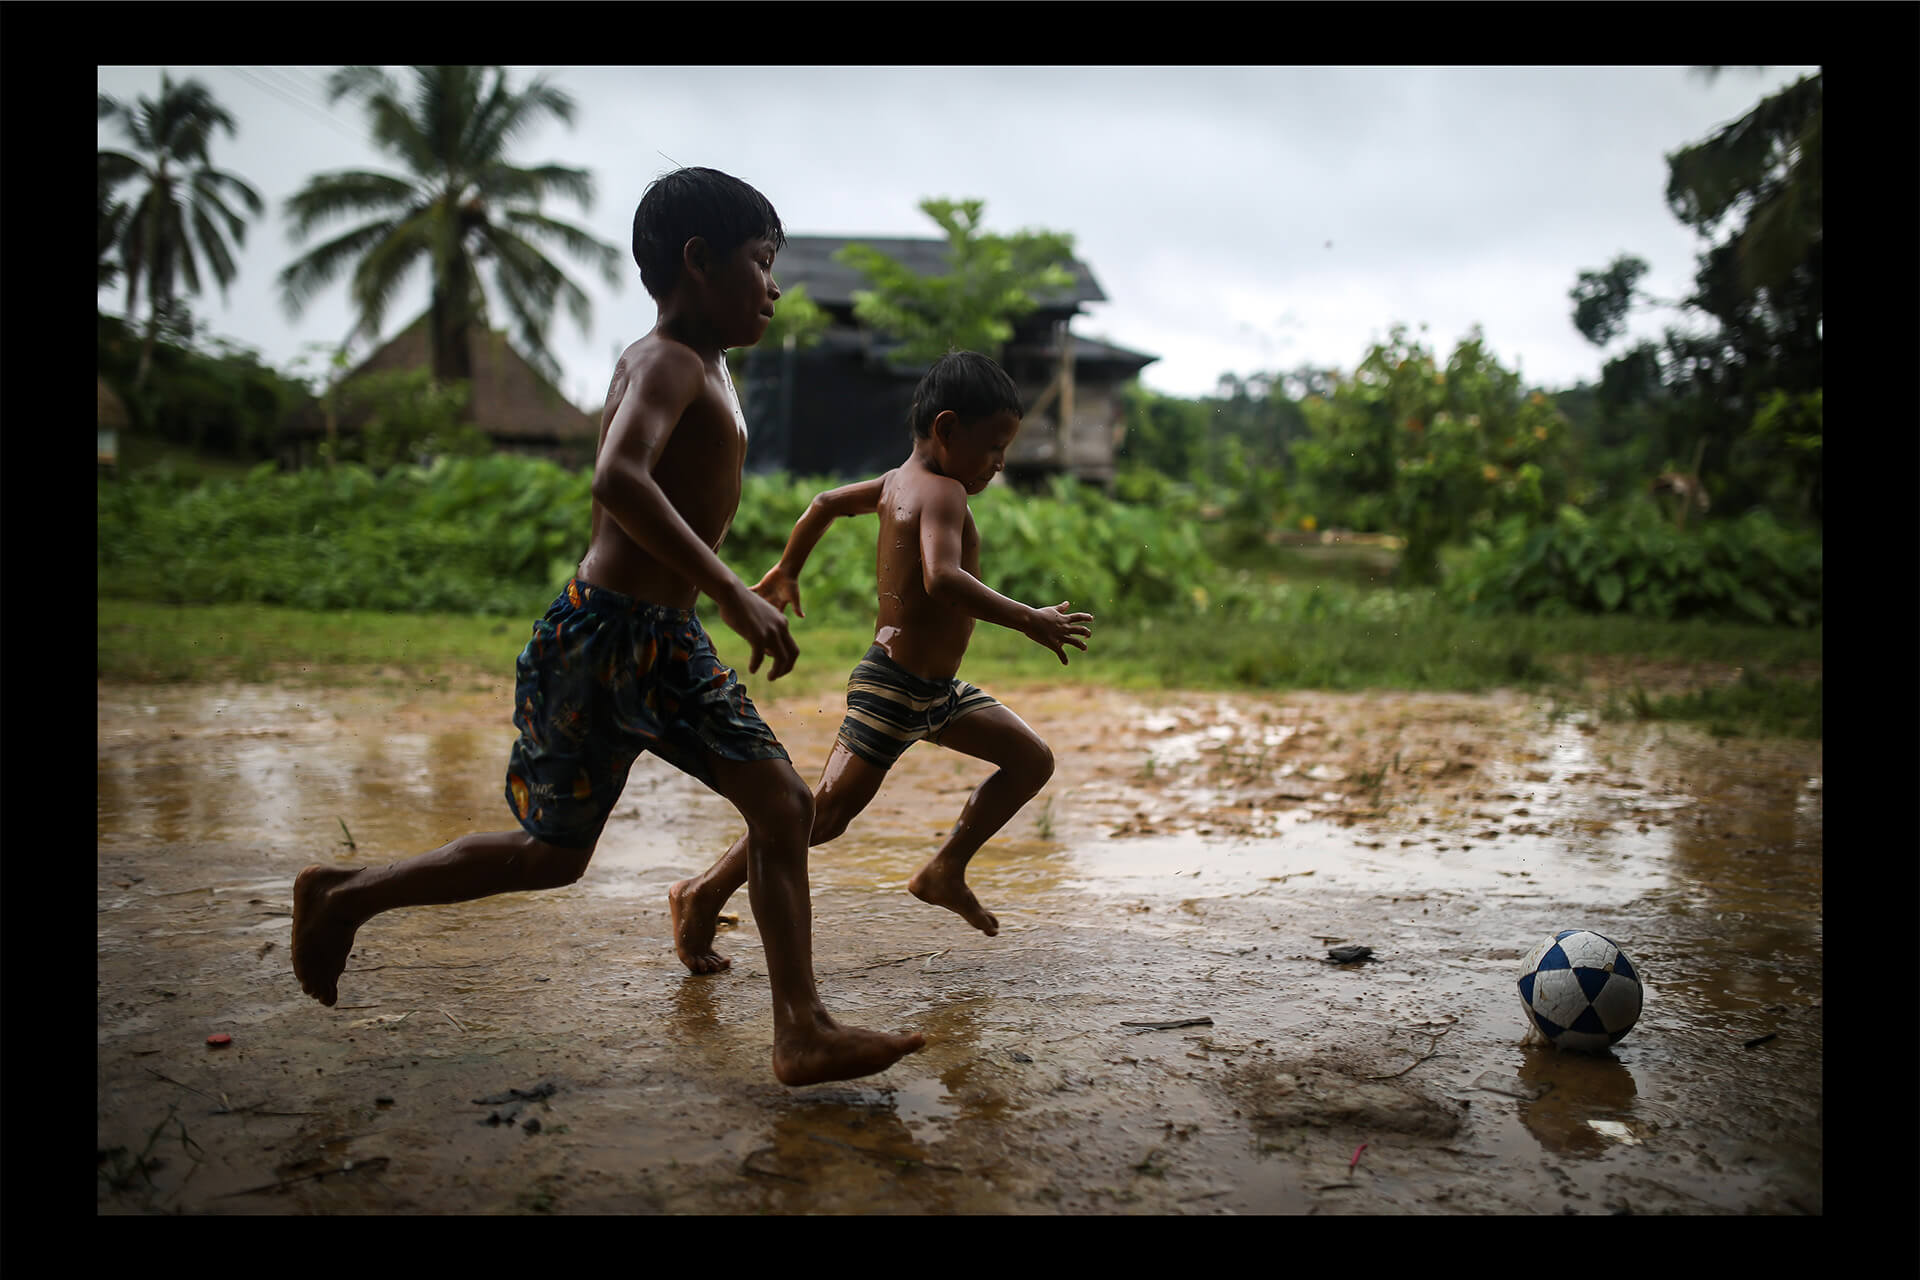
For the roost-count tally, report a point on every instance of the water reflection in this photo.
(1582, 1103)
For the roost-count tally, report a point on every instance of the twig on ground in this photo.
(189, 1088)
(352, 1166)
(450, 1018)
(1168, 1026)
(882, 964)
(1433, 1047)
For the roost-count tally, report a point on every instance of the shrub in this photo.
(1632, 561)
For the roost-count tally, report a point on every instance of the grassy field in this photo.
(149, 642)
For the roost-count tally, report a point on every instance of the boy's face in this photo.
(974, 452)
(742, 291)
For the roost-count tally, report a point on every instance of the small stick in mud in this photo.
(374, 1164)
(1433, 1047)
(1168, 1026)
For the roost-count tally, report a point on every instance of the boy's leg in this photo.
(331, 903)
(847, 786)
(808, 1046)
(1025, 763)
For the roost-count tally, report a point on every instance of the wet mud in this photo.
(1156, 1029)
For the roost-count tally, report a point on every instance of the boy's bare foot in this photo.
(321, 939)
(693, 925)
(828, 1051)
(947, 889)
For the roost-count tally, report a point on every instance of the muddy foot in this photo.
(833, 1052)
(929, 884)
(321, 938)
(693, 926)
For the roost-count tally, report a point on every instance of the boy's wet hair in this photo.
(968, 383)
(716, 206)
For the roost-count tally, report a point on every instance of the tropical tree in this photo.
(183, 204)
(990, 282)
(1709, 396)
(461, 207)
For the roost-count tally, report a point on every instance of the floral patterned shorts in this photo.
(604, 678)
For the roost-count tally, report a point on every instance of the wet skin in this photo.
(930, 595)
(666, 486)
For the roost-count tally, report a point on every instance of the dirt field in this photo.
(1189, 865)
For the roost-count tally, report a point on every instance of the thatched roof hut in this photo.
(518, 408)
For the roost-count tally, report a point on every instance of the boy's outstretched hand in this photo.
(762, 626)
(780, 589)
(1055, 629)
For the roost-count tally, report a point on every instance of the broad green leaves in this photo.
(1632, 561)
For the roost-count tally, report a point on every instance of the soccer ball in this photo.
(1579, 990)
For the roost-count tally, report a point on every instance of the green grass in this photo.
(1759, 705)
(142, 641)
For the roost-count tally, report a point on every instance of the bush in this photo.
(1632, 561)
(498, 534)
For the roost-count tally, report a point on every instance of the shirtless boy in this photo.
(620, 664)
(965, 413)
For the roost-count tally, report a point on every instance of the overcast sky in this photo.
(1238, 219)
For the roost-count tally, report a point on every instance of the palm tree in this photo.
(462, 205)
(182, 204)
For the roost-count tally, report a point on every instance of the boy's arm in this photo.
(941, 521)
(623, 485)
(781, 585)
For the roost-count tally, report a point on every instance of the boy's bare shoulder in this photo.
(653, 360)
(913, 489)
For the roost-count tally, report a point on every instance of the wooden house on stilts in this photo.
(839, 408)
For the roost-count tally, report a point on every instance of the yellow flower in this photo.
(1309, 523)
(1200, 597)
(1490, 471)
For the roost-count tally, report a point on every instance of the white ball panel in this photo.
(1557, 995)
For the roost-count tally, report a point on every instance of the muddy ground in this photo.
(1192, 861)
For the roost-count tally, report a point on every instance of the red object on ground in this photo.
(219, 1038)
(1356, 1157)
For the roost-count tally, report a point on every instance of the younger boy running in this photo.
(620, 665)
(965, 413)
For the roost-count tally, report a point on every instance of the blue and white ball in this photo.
(1580, 990)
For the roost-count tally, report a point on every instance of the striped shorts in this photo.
(889, 708)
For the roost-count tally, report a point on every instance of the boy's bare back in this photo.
(697, 465)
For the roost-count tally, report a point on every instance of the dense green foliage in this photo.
(482, 535)
(1632, 561)
(1431, 453)
(201, 392)
(497, 534)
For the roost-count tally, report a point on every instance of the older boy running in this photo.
(620, 665)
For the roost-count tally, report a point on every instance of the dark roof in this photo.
(511, 399)
(1086, 351)
(1093, 351)
(809, 260)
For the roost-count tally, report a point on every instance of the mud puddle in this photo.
(1189, 865)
